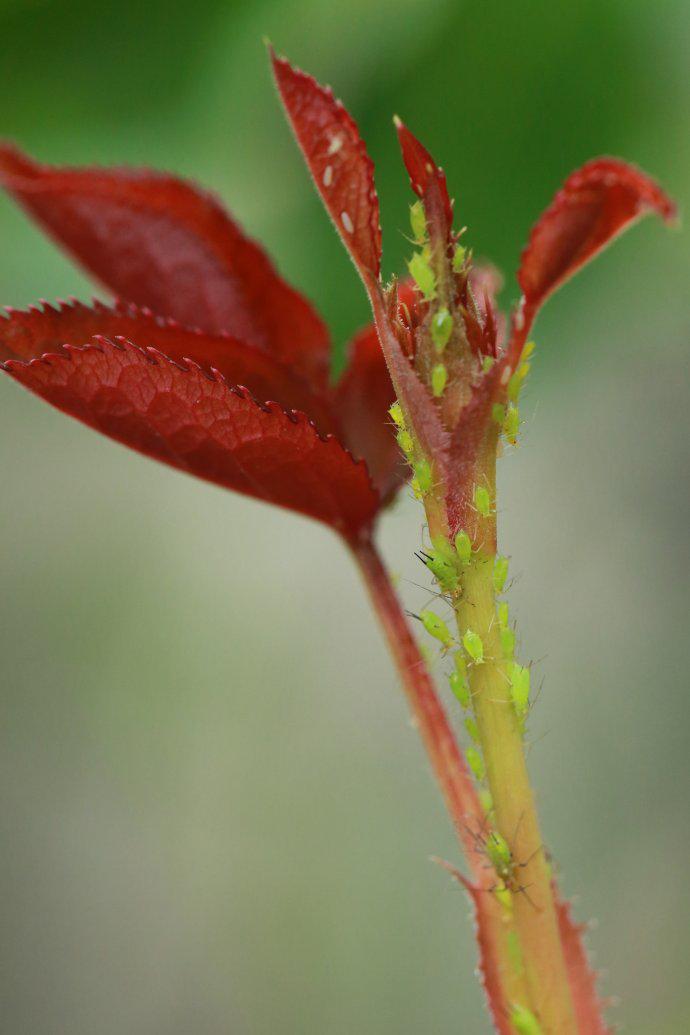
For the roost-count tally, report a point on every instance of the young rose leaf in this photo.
(596, 203)
(26, 335)
(338, 161)
(162, 242)
(194, 421)
(428, 181)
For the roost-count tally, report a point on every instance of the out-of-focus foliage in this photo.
(214, 816)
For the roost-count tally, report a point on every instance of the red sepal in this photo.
(161, 242)
(596, 203)
(428, 181)
(195, 421)
(338, 161)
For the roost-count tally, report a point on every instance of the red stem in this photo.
(439, 740)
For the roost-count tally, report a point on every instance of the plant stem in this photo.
(449, 766)
(514, 814)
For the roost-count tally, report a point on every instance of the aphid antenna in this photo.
(480, 834)
(533, 743)
(528, 860)
(537, 694)
(425, 589)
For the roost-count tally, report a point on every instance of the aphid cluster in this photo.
(422, 477)
(444, 315)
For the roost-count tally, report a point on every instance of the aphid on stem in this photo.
(524, 1021)
(494, 846)
(482, 500)
(474, 645)
(436, 627)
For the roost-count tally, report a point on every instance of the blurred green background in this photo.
(215, 816)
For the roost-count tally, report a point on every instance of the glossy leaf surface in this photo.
(337, 159)
(162, 242)
(596, 203)
(194, 421)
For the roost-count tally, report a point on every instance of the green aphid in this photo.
(441, 329)
(507, 636)
(416, 490)
(443, 548)
(511, 424)
(503, 614)
(498, 414)
(459, 258)
(396, 415)
(520, 687)
(436, 627)
(476, 763)
(487, 363)
(423, 275)
(482, 500)
(528, 350)
(444, 573)
(472, 642)
(515, 383)
(439, 379)
(460, 665)
(471, 727)
(499, 854)
(460, 688)
(524, 1022)
(486, 800)
(422, 473)
(463, 545)
(405, 442)
(418, 222)
(500, 573)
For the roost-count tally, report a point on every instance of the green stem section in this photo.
(514, 814)
(448, 765)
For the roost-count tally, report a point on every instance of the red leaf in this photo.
(161, 242)
(595, 204)
(588, 1006)
(194, 421)
(28, 335)
(338, 161)
(428, 181)
(344, 176)
(363, 397)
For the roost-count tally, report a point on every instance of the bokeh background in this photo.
(215, 815)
